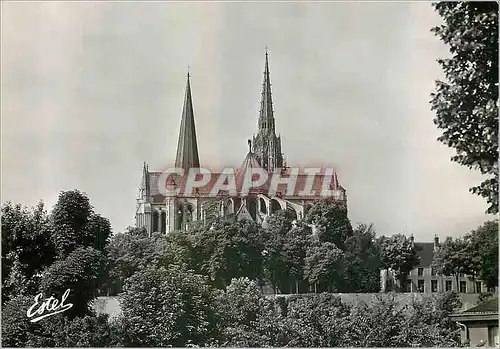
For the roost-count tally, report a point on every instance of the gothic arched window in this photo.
(155, 221)
(163, 222)
(263, 207)
(252, 207)
(275, 206)
(189, 213)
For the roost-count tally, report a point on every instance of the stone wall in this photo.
(111, 305)
(107, 305)
(468, 300)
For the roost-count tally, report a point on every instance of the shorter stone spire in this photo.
(145, 190)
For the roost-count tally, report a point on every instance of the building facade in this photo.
(479, 325)
(159, 213)
(424, 278)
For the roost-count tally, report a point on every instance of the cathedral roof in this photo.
(187, 148)
(250, 161)
(317, 185)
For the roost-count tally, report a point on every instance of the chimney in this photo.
(436, 242)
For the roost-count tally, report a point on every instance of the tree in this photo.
(388, 323)
(130, 252)
(70, 218)
(377, 324)
(80, 272)
(484, 242)
(285, 249)
(55, 331)
(279, 223)
(398, 254)
(318, 320)
(179, 251)
(247, 318)
(363, 261)
(455, 257)
(49, 255)
(75, 224)
(331, 221)
(15, 323)
(26, 248)
(428, 322)
(240, 302)
(295, 247)
(324, 266)
(168, 307)
(466, 103)
(230, 250)
(100, 232)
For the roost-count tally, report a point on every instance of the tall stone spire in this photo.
(266, 115)
(266, 145)
(187, 148)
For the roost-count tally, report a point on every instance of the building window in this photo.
(406, 286)
(434, 285)
(478, 287)
(493, 336)
(155, 222)
(433, 272)
(420, 286)
(463, 287)
(448, 285)
(163, 216)
(420, 271)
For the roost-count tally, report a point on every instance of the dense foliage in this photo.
(475, 254)
(324, 320)
(49, 254)
(206, 287)
(466, 103)
(284, 255)
(58, 331)
(399, 255)
(167, 307)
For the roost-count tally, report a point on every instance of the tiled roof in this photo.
(249, 162)
(205, 190)
(490, 306)
(425, 250)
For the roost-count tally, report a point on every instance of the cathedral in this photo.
(161, 213)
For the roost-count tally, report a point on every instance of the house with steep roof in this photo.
(479, 324)
(424, 277)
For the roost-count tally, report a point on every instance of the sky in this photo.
(91, 90)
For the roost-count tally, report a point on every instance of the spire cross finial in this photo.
(188, 74)
(266, 50)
